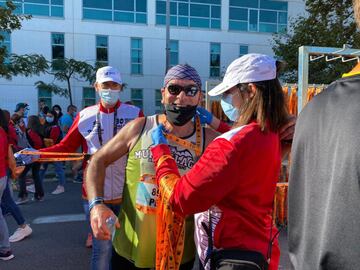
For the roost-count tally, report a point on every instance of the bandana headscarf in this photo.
(182, 72)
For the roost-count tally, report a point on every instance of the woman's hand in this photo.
(158, 136)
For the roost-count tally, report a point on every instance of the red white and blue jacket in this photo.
(85, 132)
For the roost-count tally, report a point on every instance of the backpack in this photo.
(22, 141)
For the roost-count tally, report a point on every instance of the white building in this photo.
(130, 35)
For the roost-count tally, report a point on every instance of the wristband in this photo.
(95, 201)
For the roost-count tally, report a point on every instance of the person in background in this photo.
(57, 109)
(226, 187)
(52, 135)
(42, 104)
(42, 115)
(5, 250)
(35, 138)
(22, 109)
(21, 140)
(8, 204)
(324, 192)
(67, 119)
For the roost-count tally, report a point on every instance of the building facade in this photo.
(130, 35)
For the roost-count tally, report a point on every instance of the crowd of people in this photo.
(160, 190)
(22, 131)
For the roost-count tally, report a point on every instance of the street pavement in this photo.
(52, 246)
(59, 233)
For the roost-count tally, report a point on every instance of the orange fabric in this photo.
(170, 229)
(310, 94)
(293, 101)
(280, 204)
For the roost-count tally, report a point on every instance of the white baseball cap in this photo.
(249, 68)
(108, 74)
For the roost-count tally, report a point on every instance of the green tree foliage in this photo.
(326, 24)
(8, 23)
(66, 70)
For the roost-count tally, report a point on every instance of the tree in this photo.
(64, 70)
(8, 23)
(326, 24)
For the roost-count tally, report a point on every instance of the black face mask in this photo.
(179, 116)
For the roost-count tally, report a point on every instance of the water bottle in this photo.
(110, 223)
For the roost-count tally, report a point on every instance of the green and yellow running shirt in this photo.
(136, 238)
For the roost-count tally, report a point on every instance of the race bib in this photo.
(146, 195)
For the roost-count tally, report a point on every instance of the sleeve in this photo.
(202, 183)
(12, 135)
(71, 142)
(35, 139)
(223, 127)
(55, 133)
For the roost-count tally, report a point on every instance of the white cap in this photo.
(249, 68)
(108, 74)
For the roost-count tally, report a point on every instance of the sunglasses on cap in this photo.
(190, 90)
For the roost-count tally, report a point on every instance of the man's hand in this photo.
(206, 117)
(98, 216)
(24, 159)
(287, 131)
(158, 136)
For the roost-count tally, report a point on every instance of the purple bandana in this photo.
(182, 72)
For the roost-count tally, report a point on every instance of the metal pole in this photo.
(167, 49)
(303, 76)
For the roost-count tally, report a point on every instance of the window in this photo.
(244, 49)
(215, 59)
(158, 104)
(52, 8)
(132, 11)
(137, 97)
(89, 96)
(190, 13)
(45, 95)
(58, 49)
(6, 43)
(136, 56)
(174, 53)
(102, 50)
(258, 15)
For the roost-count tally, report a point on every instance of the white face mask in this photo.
(109, 96)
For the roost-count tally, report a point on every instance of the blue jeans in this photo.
(39, 189)
(9, 206)
(59, 170)
(102, 249)
(87, 215)
(4, 231)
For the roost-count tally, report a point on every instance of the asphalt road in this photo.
(59, 233)
(59, 245)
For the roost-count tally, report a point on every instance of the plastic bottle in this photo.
(110, 223)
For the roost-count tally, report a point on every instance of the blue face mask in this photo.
(109, 96)
(226, 104)
(49, 119)
(26, 112)
(74, 114)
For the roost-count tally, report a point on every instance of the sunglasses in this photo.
(190, 90)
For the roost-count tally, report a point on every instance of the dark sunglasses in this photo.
(190, 90)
